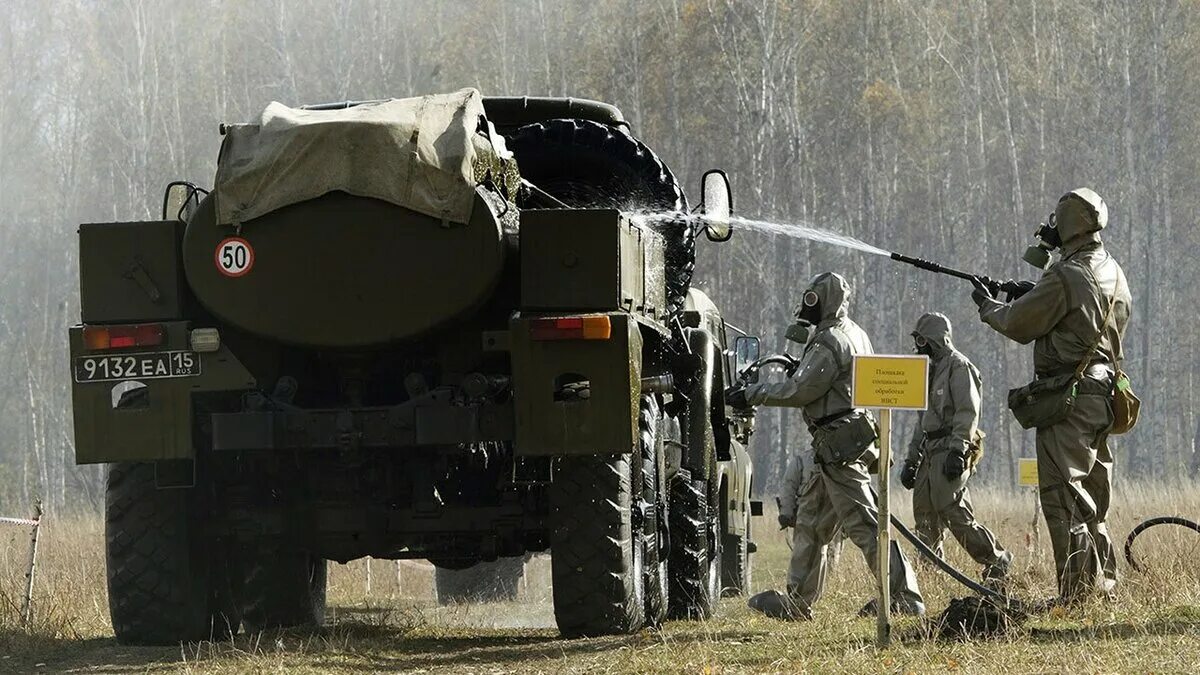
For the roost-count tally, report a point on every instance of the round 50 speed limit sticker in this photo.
(234, 257)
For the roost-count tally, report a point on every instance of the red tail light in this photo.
(571, 328)
(121, 337)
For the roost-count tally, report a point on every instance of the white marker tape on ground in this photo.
(17, 521)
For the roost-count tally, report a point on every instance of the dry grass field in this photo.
(1155, 626)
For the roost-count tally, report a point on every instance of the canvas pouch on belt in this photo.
(844, 441)
(1044, 402)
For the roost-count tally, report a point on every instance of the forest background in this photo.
(940, 129)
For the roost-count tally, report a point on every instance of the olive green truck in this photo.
(440, 328)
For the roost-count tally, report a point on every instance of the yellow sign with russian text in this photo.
(1027, 471)
(892, 382)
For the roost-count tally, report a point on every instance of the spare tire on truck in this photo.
(586, 164)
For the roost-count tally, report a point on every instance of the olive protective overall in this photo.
(801, 466)
(837, 494)
(947, 428)
(1062, 315)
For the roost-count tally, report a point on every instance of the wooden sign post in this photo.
(1027, 476)
(888, 383)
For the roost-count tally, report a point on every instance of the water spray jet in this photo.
(811, 233)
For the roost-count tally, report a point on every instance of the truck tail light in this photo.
(121, 337)
(571, 328)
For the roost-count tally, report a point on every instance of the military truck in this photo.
(455, 328)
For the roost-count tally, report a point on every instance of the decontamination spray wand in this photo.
(1009, 287)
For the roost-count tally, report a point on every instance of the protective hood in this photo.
(1080, 212)
(935, 328)
(834, 293)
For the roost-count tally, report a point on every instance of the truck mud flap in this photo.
(577, 396)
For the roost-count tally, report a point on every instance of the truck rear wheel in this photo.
(166, 582)
(596, 561)
(495, 581)
(695, 561)
(284, 588)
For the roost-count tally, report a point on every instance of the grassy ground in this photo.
(1154, 627)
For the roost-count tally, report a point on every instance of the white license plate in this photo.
(145, 366)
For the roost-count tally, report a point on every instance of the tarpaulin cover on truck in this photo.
(424, 154)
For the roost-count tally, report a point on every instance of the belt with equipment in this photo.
(1101, 371)
(937, 435)
(825, 421)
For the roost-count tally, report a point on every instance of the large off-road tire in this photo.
(587, 164)
(495, 581)
(654, 527)
(596, 561)
(695, 561)
(283, 589)
(166, 583)
(735, 559)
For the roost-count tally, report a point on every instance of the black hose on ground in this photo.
(1010, 602)
(1006, 601)
(1147, 524)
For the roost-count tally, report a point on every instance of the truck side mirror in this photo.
(716, 205)
(745, 352)
(180, 200)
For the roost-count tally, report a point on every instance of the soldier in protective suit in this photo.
(838, 493)
(939, 456)
(1076, 316)
(800, 466)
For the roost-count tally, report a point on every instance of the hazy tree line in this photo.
(945, 130)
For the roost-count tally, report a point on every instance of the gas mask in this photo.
(810, 308)
(921, 345)
(808, 314)
(1046, 239)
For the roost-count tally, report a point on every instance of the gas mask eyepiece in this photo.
(921, 345)
(1047, 239)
